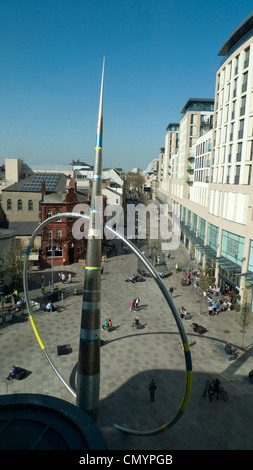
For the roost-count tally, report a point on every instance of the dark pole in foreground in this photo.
(88, 376)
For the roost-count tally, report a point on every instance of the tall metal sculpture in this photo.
(88, 376)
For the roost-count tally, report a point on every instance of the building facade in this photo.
(58, 245)
(211, 174)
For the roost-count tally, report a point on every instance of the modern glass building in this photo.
(212, 169)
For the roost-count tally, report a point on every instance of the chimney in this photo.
(43, 187)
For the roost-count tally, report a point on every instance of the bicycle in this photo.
(223, 394)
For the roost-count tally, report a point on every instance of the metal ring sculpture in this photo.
(188, 362)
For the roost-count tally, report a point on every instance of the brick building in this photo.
(58, 246)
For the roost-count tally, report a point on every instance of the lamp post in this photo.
(88, 375)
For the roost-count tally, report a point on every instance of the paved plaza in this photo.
(130, 358)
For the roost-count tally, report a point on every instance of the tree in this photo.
(13, 261)
(244, 317)
(203, 284)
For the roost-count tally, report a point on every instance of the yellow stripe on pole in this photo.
(35, 329)
(92, 268)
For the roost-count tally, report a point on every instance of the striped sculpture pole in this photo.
(88, 375)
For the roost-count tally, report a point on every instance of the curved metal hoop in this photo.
(188, 362)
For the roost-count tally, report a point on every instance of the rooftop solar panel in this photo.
(51, 181)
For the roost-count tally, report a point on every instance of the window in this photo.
(248, 170)
(233, 110)
(58, 212)
(239, 152)
(230, 153)
(232, 247)
(237, 174)
(236, 64)
(235, 87)
(244, 82)
(213, 234)
(246, 57)
(240, 131)
(49, 234)
(58, 233)
(228, 174)
(30, 205)
(231, 131)
(9, 205)
(20, 206)
(243, 104)
(49, 214)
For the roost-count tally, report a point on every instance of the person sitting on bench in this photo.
(12, 374)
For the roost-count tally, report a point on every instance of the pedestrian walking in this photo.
(152, 388)
(207, 389)
(171, 291)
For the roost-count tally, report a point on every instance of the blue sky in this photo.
(157, 55)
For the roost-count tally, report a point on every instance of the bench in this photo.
(221, 350)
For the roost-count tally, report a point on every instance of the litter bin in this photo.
(75, 291)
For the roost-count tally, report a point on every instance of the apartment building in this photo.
(211, 174)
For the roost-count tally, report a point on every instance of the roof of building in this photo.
(196, 103)
(171, 125)
(244, 28)
(54, 182)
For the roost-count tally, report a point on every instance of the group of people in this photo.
(107, 324)
(63, 278)
(135, 304)
(212, 388)
(132, 278)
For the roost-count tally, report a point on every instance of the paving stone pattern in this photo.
(130, 358)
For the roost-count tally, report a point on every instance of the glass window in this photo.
(30, 205)
(9, 205)
(213, 234)
(250, 263)
(20, 205)
(232, 247)
(194, 222)
(58, 233)
(202, 229)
